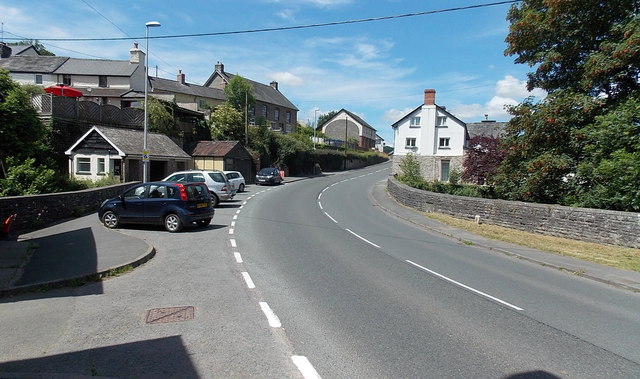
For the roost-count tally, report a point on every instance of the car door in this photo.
(155, 204)
(132, 208)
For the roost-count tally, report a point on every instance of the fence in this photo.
(69, 108)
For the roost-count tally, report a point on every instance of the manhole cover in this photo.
(175, 314)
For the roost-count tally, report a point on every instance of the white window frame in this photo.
(441, 121)
(414, 122)
(444, 143)
(102, 167)
(445, 170)
(410, 142)
(80, 161)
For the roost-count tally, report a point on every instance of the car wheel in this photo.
(214, 200)
(241, 188)
(203, 223)
(110, 220)
(172, 223)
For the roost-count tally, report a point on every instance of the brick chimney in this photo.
(429, 97)
(136, 56)
(274, 85)
(181, 77)
(5, 51)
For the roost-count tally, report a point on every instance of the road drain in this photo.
(165, 315)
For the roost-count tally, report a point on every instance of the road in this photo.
(312, 278)
(362, 294)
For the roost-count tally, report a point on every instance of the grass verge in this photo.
(609, 255)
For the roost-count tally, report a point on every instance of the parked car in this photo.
(268, 175)
(236, 178)
(217, 182)
(170, 204)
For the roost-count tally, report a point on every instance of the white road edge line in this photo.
(305, 367)
(247, 279)
(238, 257)
(364, 239)
(274, 321)
(332, 219)
(465, 286)
(320, 205)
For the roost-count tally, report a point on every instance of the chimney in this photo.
(181, 77)
(274, 85)
(136, 56)
(5, 51)
(219, 67)
(429, 97)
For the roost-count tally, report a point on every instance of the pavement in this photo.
(79, 250)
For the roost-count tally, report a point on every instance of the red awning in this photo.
(62, 90)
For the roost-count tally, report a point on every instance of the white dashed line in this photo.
(233, 242)
(332, 219)
(235, 217)
(364, 239)
(305, 367)
(233, 224)
(238, 257)
(274, 321)
(231, 231)
(465, 286)
(247, 279)
(238, 211)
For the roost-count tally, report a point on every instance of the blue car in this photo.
(170, 204)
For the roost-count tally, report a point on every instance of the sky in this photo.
(377, 69)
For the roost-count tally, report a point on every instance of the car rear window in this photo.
(217, 177)
(196, 191)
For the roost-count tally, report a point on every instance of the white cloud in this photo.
(514, 88)
(393, 115)
(287, 78)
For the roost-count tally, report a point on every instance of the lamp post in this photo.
(145, 148)
(315, 126)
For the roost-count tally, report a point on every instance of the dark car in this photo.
(268, 175)
(170, 204)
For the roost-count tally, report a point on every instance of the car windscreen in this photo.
(265, 171)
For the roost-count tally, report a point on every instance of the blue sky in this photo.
(378, 70)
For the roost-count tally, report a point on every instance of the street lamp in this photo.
(145, 148)
(315, 126)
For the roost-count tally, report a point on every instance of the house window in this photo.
(102, 81)
(66, 79)
(441, 121)
(101, 166)
(201, 103)
(264, 110)
(38, 79)
(415, 121)
(443, 143)
(411, 142)
(444, 171)
(276, 114)
(252, 110)
(83, 165)
(288, 117)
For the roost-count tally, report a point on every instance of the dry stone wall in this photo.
(593, 225)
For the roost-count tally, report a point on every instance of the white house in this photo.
(436, 137)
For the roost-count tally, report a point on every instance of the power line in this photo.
(282, 28)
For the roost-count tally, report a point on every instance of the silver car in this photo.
(219, 186)
(236, 178)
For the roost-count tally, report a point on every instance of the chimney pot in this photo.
(429, 97)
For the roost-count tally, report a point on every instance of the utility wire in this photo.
(308, 26)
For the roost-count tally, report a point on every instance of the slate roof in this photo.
(33, 63)
(78, 66)
(262, 92)
(212, 148)
(487, 128)
(357, 118)
(174, 86)
(130, 141)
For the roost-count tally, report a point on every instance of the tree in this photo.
(588, 46)
(326, 117)
(36, 44)
(411, 173)
(161, 119)
(227, 123)
(482, 159)
(239, 93)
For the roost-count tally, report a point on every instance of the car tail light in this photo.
(224, 188)
(183, 192)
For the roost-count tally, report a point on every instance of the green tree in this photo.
(239, 93)
(25, 177)
(161, 119)
(227, 123)
(411, 173)
(22, 135)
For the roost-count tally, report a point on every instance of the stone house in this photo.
(346, 125)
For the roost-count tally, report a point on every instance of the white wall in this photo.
(30, 78)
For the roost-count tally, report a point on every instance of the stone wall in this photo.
(37, 211)
(593, 225)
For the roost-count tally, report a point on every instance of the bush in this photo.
(28, 179)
